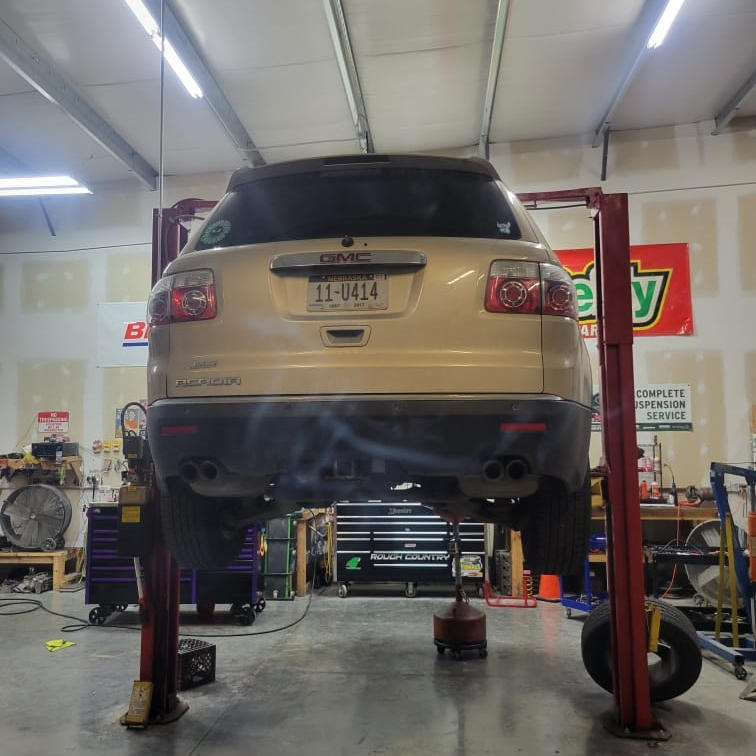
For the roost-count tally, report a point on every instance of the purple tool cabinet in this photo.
(111, 581)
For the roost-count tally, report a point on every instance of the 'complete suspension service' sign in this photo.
(658, 407)
(663, 406)
(659, 282)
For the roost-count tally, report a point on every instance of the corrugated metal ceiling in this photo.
(422, 66)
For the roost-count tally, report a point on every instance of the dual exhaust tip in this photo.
(493, 470)
(505, 469)
(205, 470)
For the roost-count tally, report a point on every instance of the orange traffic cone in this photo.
(548, 588)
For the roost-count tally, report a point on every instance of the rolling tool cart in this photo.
(735, 647)
(111, 580)
(592, 592)
(390, 542)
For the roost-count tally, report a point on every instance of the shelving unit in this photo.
(278, 566)
(651, 472)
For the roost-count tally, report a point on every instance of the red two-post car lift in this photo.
(632, 715)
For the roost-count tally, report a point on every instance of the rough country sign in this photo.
(658, 407)
(660, 281)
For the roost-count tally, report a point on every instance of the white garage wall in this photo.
(48, 310)
(685, 186)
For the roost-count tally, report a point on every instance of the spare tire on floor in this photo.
(676, 665)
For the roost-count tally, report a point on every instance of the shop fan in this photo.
(36, 517)
(705, 577)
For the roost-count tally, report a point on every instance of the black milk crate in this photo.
(196, 663)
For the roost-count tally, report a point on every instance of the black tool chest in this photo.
(380, 542)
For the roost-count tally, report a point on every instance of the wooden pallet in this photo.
(55, 559)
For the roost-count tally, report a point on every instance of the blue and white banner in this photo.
(122, 334)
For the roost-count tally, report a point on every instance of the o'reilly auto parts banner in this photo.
(658, 407)
(660, 281)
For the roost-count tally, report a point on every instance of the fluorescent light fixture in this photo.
(149, 24)
(34, 182)
(44, 191)
(39, 185)
(663, 24)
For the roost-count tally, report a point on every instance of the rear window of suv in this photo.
(382, 201)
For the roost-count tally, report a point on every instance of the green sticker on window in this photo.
(216, 231)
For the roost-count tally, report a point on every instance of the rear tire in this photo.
(199, 531)
(556, 528)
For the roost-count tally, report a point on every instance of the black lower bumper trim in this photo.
(417, 437)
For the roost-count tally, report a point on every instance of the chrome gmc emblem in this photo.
(345, 257)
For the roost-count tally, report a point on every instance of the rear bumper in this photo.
(417, 436)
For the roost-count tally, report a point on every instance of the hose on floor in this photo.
(10, 607)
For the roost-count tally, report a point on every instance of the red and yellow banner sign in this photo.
(660, 285)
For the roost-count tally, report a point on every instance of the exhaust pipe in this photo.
(189, 471)
(493, 469)
(515, 469)
(208, 470)
(497, 470)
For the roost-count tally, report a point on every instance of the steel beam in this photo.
(41, 75)
(500, 30)
(342, 46)
(216, 99)
(636, 54)
(729, 111)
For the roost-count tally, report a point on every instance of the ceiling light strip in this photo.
(150, 25)
(666, 20)
(44, 190)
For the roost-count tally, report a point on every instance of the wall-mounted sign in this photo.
(52, 422)
(658, 407)
(135, 421)
(660, 286)
(122, 334)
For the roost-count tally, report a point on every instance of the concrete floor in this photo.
(359, 676)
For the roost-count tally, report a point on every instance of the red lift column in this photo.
(633, 715)
(158, 662)
(624, 538)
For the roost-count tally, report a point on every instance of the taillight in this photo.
(558, 292)
(513, 286)
(520, 287)
(182, 297)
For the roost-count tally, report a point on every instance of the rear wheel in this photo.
(200, 531)
(556, 528)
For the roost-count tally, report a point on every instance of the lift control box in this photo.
(134, 521)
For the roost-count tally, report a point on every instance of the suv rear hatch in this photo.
(369, 276)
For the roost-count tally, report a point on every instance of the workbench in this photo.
(55, 559)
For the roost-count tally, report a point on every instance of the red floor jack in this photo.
(458, 626)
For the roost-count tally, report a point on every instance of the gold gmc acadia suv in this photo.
(385, 327)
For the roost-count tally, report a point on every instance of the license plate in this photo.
(347, 291)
